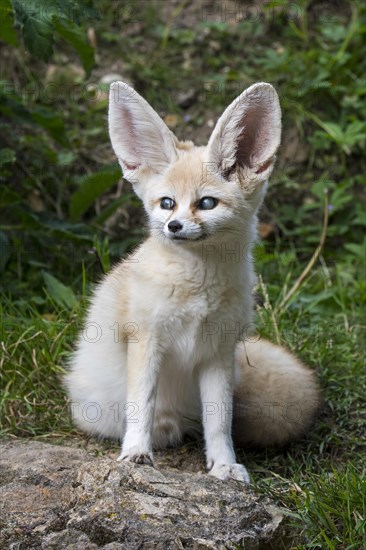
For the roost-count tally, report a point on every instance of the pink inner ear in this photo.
(129, 137)
(264, 166)
(253, 137)
(130, 166)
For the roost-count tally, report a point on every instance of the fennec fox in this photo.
(161, 346)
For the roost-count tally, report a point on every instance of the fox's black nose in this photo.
(174, 226)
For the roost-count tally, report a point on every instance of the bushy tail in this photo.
(276, 397)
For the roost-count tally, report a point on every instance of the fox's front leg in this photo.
(143, 365)
(216, 388)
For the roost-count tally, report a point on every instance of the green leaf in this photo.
(334, 130)
(7, 156)
(32, 17)
(7, 32)
(63, 295)
(52, 122)
(61, 229)
(45, 10)
(65, 158)
(358, 249)
(11, 105)
(77, 39)
(8, 196)
(38, 38)
(355, 133)
(112, 207)
(39, 19)
(90, 188)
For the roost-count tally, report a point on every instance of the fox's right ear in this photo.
(143, 143)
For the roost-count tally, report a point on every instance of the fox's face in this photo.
(195, 193)
(188, 204)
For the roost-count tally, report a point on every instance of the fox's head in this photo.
(194, 193)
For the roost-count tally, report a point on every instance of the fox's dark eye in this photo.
(167, 204)
(207, 203)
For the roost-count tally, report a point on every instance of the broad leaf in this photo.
(38, 38)
(52, 122)
(39, 19)
(7, 32)
(90, 188)
(63, 295)
(112, 207)
(76, 37)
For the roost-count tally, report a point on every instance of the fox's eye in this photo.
(207, 203)
(167, 204)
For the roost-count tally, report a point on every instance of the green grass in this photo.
(34, 349)
(65, 219)
(321, 480)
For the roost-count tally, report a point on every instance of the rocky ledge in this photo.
(63, 497)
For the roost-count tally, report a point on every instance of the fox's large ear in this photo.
(143, 143)
(247, 136)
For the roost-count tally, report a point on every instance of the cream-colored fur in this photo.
(275, 396)
(156, 357)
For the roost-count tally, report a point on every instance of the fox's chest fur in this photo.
(193, 308)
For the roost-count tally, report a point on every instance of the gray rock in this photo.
(63, 497)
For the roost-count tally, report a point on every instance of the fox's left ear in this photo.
(247, 136)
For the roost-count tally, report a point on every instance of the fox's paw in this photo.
(230, 471)
(137, 457)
